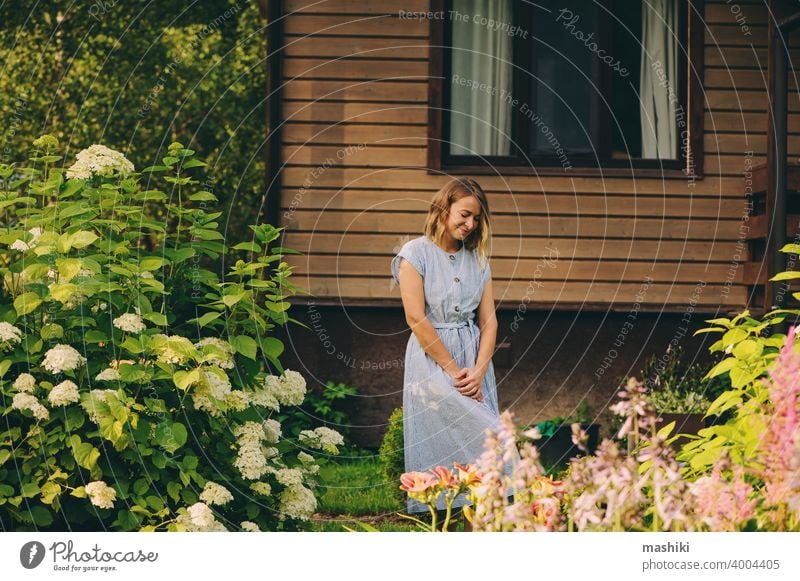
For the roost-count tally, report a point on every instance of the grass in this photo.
(351, 489)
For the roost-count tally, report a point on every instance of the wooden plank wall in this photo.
(355, 185)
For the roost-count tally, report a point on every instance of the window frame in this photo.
(691, 89)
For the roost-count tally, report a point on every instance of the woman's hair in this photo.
(454, 190)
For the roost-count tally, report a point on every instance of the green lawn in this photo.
(352, 491)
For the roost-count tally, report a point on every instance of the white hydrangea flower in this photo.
(249, 527)
(227, 360)
(23, 246)
(250, 461)
(63, 394)
(130, 323)
(214, 387)
(201, 514)
(237, 400)
(289, 476)
(214, 493)
(305, 458)
(297, 502)
(265, 397)
(262, 488)
(101, 494)
(9, 334)
(25, 401)
(108, 374)
(185, 520)
(25, 382)
(62, 358)
(272, 431)
(99, 160)
(322, 438)
(293, 390)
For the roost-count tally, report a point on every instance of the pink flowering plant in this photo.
(440, 482)
(138, 377)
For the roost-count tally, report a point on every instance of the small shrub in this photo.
(391, 455)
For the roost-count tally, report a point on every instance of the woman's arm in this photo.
(413, 294)
(487, 323)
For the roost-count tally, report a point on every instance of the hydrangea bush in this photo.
(138, 367)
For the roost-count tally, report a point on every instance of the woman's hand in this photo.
(468, 381)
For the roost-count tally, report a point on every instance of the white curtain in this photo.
(659, 85)
(480, 117)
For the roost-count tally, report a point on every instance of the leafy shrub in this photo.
(391, 455)
(326, 405)
(135, 381)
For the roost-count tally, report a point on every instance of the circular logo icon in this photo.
(31, 554)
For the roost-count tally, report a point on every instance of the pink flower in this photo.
(417, 482)
(445, 477)
(468, 475)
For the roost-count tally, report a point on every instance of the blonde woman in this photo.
(449, 391)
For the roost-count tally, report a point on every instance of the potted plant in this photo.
(556, 443)
(677, 392)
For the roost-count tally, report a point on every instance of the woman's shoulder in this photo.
(418, 245)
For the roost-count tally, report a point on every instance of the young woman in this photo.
(449, 391)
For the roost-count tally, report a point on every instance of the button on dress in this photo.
(440, 425)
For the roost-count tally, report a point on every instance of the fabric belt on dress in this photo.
(455, 325)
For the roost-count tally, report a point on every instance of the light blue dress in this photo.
(440, 425)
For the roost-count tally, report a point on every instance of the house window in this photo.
(567, 84)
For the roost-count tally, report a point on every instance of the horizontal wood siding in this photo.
(355, 184)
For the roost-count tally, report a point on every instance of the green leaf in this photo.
(29, 490)
(68, 268)
(278, 307)
(174, 490)
(94, 336)
(41, 516)
(185, 379)
(156, 318)
(787, 275)
(748, 349)
(83, 238)
(150, 196)
(52, 331)
(272, 347)
(734, 336)
(245, 345)
(203, 196)
(249, 246)
(49, 492)
(141, 486)
(721, 367)
(171, 436)
(232, 299)
(193, 163)
(86, 455)
(182, 254)
(26, 303)
(5, 364)
(208, 318)
(63, 292)
(4, 456)
(150, 263)
(132, 345)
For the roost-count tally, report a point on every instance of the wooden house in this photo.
(617, 142)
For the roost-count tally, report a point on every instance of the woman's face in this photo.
(463, 217)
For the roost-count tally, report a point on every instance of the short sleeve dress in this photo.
(440, 425)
